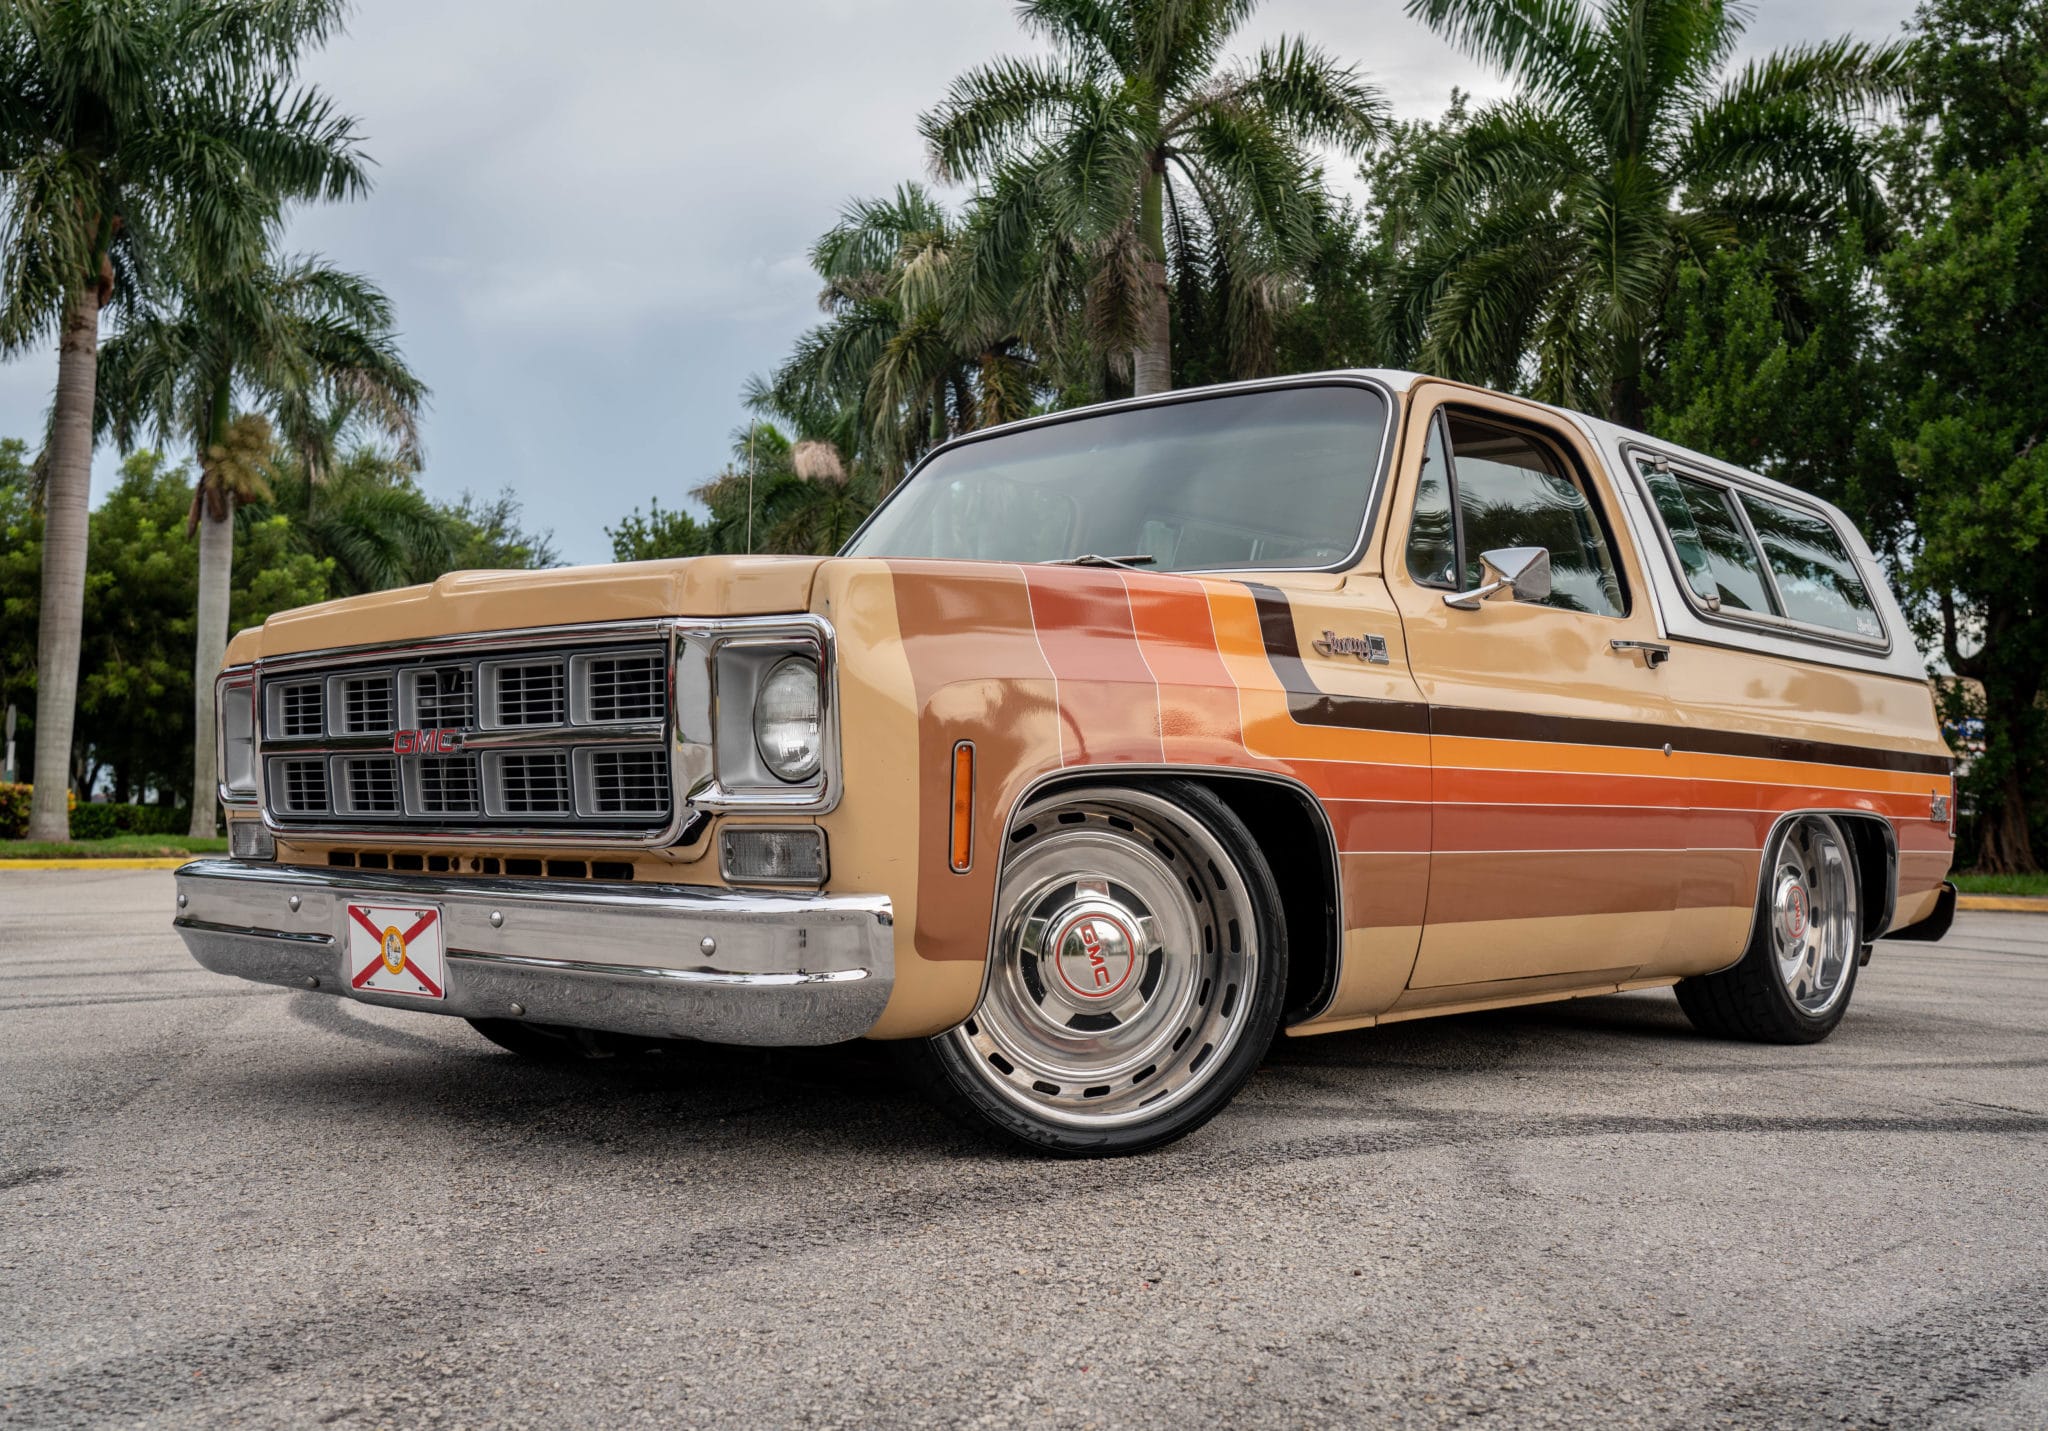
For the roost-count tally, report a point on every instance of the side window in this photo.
(1719, 560)
(1432, 534)
(1513, 492)
(1815, 574)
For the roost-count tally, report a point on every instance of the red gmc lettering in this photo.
(425, 742)
(1092, 943)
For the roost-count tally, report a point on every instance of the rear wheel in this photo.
(1794, 982)
(1137, 978)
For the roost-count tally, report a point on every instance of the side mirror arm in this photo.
(1523, 572)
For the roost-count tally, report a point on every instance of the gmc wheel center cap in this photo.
(1793, 914)
(1094, 954)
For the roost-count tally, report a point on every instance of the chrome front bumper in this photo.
(666, 961)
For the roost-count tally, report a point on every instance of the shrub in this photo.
(99, 822)
(14, 803)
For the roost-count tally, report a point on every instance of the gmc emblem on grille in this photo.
(427, 742)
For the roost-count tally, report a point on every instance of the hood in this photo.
(474, 601)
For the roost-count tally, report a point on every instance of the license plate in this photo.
(397, 949)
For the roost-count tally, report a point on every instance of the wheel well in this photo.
(1876, 848)
(1285, 823)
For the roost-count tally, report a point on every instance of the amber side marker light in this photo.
(963, 807)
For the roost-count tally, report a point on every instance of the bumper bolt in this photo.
(519, 1011)
(708, 944)
(497, 919)
(294, 903)
(183, 900)
(312, 981)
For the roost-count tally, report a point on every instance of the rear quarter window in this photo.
(1816, 576)
(1712, 547)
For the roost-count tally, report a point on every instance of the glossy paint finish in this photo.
(1516, 810)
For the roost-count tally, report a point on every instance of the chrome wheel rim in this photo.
(1126, 955)
(1811, 906)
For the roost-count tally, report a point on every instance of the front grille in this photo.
(525, 693)
(530, 785)
(301, 708)
(626, 782)
(630, 686)
(299, 787)
(442, 696)
(549, 735)
(369, 785)
(363, 705)
(446, 785)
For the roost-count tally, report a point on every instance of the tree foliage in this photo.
(1134, 169)
(134, 724)
(1969, 291)
(1548, 229)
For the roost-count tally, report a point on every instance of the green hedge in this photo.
(93, 822)
(98, 822)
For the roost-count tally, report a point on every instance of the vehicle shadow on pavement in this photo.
(1371, 1090)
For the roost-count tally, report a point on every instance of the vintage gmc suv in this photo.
(1114, 743)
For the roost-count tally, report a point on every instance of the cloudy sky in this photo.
(592, 218)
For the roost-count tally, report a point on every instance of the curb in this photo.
(93, 864)
(2008, 903)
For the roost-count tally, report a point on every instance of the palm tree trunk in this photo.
(216, 567)
(1152, 362)
(61, 623)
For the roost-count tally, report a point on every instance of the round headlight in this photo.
(786, 721)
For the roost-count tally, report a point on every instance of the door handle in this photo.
(1655, 653)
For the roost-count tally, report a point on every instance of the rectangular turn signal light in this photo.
(963, 807)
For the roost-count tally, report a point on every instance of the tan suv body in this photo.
(1396, 697)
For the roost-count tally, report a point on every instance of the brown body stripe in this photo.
(1577, 730)
(1462, 815)
(1311, 704)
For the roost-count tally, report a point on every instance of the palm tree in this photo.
(782, 494)
(363, 512)
(293, 340)
(1131, 148)
(1549, 228)
(127, 132)
(900, 363)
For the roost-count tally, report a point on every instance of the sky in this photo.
(592, 219)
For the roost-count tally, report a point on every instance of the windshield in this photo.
(1271, 478)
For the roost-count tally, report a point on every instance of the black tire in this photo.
(557, 1043)
(1188, 967)
(1753, 999)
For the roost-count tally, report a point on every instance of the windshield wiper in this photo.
(1135, 559)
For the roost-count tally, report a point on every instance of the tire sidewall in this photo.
(1763, 951)
(962, 1088)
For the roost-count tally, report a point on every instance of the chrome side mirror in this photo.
(1522, 572)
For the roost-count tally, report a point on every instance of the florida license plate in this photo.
(397, 949)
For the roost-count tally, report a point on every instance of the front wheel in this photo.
(1137, 978)
(1794, 982)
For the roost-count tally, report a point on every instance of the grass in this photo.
(123, 847)
(2002, 884)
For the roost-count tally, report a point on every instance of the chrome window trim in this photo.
(1574, 471)
(1634, 451)
(1376, 475)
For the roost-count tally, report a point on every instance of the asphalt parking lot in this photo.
(228, 1205)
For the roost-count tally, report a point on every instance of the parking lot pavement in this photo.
(229, 1205)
